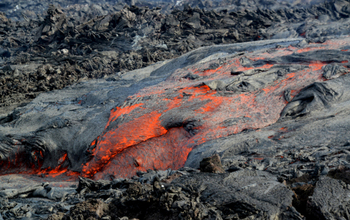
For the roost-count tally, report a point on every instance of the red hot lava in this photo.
(142, 139)
(158, 127)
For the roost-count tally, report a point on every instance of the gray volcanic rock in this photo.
(52, 123)
(185, 193)
(311, 129)
(330, 200)
(211, 164)
(243, 194)
(66, 129)
(239, 195)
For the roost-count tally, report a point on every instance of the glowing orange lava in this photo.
(156, 133)
(139, 144)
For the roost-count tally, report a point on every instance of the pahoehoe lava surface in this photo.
(260, 99)
(269, 119)
(152, 118)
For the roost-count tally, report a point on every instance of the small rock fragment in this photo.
(212, 164)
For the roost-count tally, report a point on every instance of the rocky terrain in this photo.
(191, 110)
(65, 44)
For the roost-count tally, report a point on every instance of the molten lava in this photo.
(158, 127)
(142, 138)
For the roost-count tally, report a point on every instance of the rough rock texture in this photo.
(211, 165)
(19, 10)
(182, 194)
(45, 47)
(161, 113)
(235, 195)
(330, 199)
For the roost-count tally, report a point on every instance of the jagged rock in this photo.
(329, 200)
(219, 196)
(90, 209)
(340, 173)
(192, 121)
(301, 197)
(90, 185)
(73, 35)
(334, 71)
(57, 216)
(211, 165)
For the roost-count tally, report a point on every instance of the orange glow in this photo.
(161, 153)
(316, 66)
(115, 141)
(120, 111)
(211, 106)
(121, 152)
(283, 129)
(209, 72)
(59, 171)
(307, 49)
(258, 158)
(258, 58)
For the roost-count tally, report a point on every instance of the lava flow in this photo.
(35, 166)
(158, 126)
(163, 123)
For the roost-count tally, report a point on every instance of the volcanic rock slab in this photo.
(330, 199)
(270, 110)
